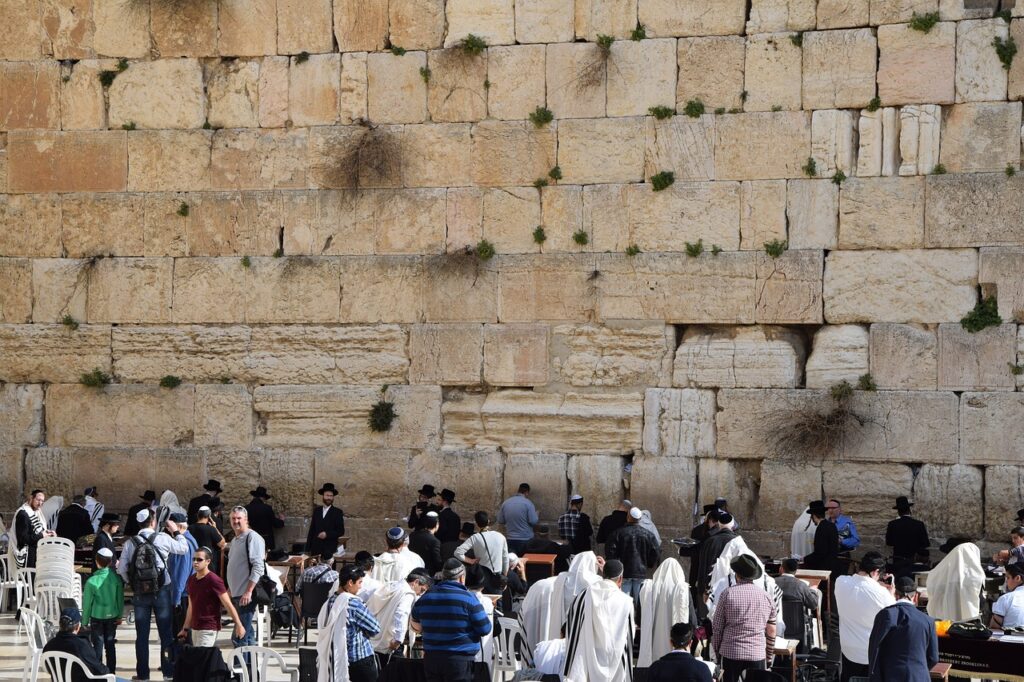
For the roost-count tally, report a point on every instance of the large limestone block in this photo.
(259, 159)
(692, 17)
(82, 105)
(612, 356)
(20, 31)
(272, 90)
(21, 409)
(448, 354)
(562, 216)
(900, 286)
(710, 70)
(199, 354)
(100, 224)
(30, 93)
(904, 356)
(368, 286)
(30, 225)
(606, 215)
(947, 499)
(781, 15)
(396, 91)
(69, 31)
(169, 160)
(762, 213)
(50, 469)
(785, 489)
(379, 478)
(679, 422)
(59, 287)
(599, 479)
(183, 29)
(12, 474)
(615, 18)
(314, 90)
(416, 24)
(328, 222)
(576, 423)
(247, 28)
(812, 208)
(872, 142)
(15, 290)
(360, 25)
(293, 289)
(739, 357)
(641, 75)
(121, 31)
(983, 136)
(120, 415)
(601, 150)
(882, 213)
(80, 161)
(683, 145)
(899, 426)
(788, 289)
(896, 11)
(544, 21)
(843, 13)
(665, 485)
(1004, 488)
(980, 76)
(456, 91)
(762, 145)
(545, 472)
(974, 210)
(1015, 76)
(418, 424)
(511, 153)
(772, 73)
(408, 221)
(839, 353)
(130, 290)
(288, 476)
(685, 212)
(233, 223)
(838, 69)
(834, 141)
(916, 67)
(475, 476)
(576, 80)
(224, 416)
(514, 90)
(870, 506)
(991, 428)
(509, 218)
(167, 93)
(1001, 268)
(737, 481)
(977, 362)
(920, 130)
(352, 157)
(547, 287)
(435, 155)
(305, 25)
(52, 353)
(515, 354)
(492, 20)
(209, 290)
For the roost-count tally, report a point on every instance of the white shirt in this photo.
(323, 512)
(1011, 607)
(549, 657)
(859, 598)
(370, 585)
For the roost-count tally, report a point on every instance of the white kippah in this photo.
(636, 513)
(204, 508)
(142, 516)
(105, 552)
(433, 514)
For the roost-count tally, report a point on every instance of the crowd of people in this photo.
(443, 580)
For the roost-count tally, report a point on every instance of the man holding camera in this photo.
(859, 598)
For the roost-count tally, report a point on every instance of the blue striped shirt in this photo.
(453, 620)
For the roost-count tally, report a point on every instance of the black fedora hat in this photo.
(427, 490)
(110, 517)
(903, 503)
(448, 495)
(467, 528)
(327, 488)
(260, 492)
(148, 496)
(816, 507)
(746, 566)
(213, 485)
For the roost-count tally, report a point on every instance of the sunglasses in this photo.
(198, 560)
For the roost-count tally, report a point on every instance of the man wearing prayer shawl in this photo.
(547, 603)
(345, 627)
(954, 586)
(28, 529)
(599, 631)
(801, 542)
(723, 577)
(664, 601)
(391, 605)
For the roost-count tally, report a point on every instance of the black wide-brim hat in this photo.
(816, 507)
(467, 528)
(148, 496)
(110, 517)
(903, 503)
(327, 488)
(213, 485)
(260, 492)
(745, 566)
(448, 495)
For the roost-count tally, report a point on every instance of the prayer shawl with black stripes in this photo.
(22, 535)
(599, 631)
(332, 640)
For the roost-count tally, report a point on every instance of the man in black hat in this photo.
(326, 525)
(902, 646)
(448, 521)
(743, 629)
(719, 536)
(262, 518)
(148, 498)
(423, 541)
(908, 538)
(423, 506)
(109, 524)
(207, 499)
(826, 539)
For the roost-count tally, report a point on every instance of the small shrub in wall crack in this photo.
(985, 314)
(541, 116)
(924, 22)
(695, 249)
(95, 379)
(662, 180)
(775, 247)
(473, 45)
(170, 381)
(865, 382)
(1006, 50)
(694, 108)
(661, 112)
(381, 416)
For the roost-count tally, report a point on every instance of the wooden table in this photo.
(540, 560)
(814, 579)
(788, 651)
(293, 567)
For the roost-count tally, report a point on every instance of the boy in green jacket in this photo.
(103, 606)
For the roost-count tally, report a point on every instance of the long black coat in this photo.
(204, 500)
(426, 544)
(907, 536)
(102, 540)
(448, 525)
(73, 522)
(131, 526)
(710, 550)
(825, 553)
(333, 524)
(263, 521)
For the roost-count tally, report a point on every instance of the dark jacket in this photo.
(710, 550)
(263, 520)
(903, 646)
(77, 645)
(907, 536)
(73, 522)
(635, 547)
(417, 514)
(131, 526)
(540, 545)
(610, 524)
(424, 543)
(201, 664)
(825, 552)
(797, 590)
(448, 524)
(204, 500)
(102, 540)
(678, 666)
(333, 524)
(27, 537)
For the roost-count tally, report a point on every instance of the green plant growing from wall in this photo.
(130, 125)
(776, 108)
(581, 237)
(69, 322)
(875, 104)
(541, 116)
(1010, 170)
(382, 415)
(841, 391)
(539, 235)
(776, 247)
(639, 33)
(632, 250)
(1006, 50)
(662, 180)
(694, 108)
(398, 51)
(170, 381)
(810, 168)
(278, 252)
(797, 39)
(473, 45)
(1016, 369)
(661, 113)
(425, 74)
(719, 111)
(246, 262)
(302, 57)
(865, 382)
(604, 43)
(715, 249)
(540, 183)
(555, 173)
(694, 249)
(985, 314)
(1005, 14)
(485, 250)
(939, 169)
(924, 22)
(838, 177)
(95, 379)
(183, 209)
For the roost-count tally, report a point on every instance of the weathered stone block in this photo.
(316, 415)
(601, 150)
(762, 145)
(900, 286)
(418, 416)
(772, 72)
(515, 354)
(492, 20)
(871, 508)
(303, 25)
(511, 153)
(683, 145)
(916, 67)
(947, 499)
(288, 476)
(509, 218)
(838, 69)
(50, 469)
(475, 476)
(615, 18)
(15, 290)
(679, 422)
(612, 356)
(812, 208)
(209, 290)
(224, 416)
(120, 31)
(737, 481)
(834, 141)
(183, 29)
(692, 17)
(545, 472)
(21, 409)
(30, 92)
(781, 15)
(352, 157)
(130, 290)
(982, 136)
(839, 353)
(544, 21)
(1004, 488)
(980, 76)
(232, 223)
(665, 485)
(1000, 268)
(294, 289)
(69, 31)
(247, 28)
(1015, 75)
(455, 91)
(169, 160)
(739, 357)
(576, 80)
(51, 161)
(396, 91)
(991, 428)
(52, 353)
(195, 354)
(101, 224)
(762, 213)
(59, 287)
(448, 354)
(641, 75)
(82, 105)
(973, 210)
(599, 479)
(904, 356)
(408, 221)
(920, 128)
(710, 70)
(788, 289)
(259, 159)
(272, 89)
(562, 217)
(120, 415)
(685, 212)
(328, 222)
(368, 286)
(896, 11)
(417, 24)
(383, 496)
(30, 225)
(515, 91)
(12, 473)
(606, 216)
(166, 93)
(979, 361)
(353, 102)
(314, 90)
(785, 489)
(843, 13)
(881, 213)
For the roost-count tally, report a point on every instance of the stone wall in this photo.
(279, 203)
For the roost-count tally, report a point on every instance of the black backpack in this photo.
(145, 572)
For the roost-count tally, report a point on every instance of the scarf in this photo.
(332, 639)
(599, 633)
(954, 586)
(664, 601)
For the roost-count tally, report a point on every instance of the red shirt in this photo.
(204, 596)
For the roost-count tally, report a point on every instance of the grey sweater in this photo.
(245, 562)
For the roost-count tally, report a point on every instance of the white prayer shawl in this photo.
(50, 509)
(954, 586)
(646, 521)
(391, 605)
(535, 613)
(722, 577)
(486, 651)
(392, 566)
(568, 585)
(170, 500)
(331, 640)
(600, 636)
(664, 601)
(95, 509)
(20, 554)
(801, 542)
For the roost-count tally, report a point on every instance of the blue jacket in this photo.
(179, 568)
(903, 646)
(848, 538)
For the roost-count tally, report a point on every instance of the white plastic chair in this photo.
(259, 659)
(504, 657)
(260, 619)
(8, 579)
(36, 629)
(24, 588)
(61, 667)
(47, 600)
(55, 541)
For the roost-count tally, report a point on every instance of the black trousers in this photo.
(103, 637)
(363, 670)
(851, 669)
(448, 668)
(734, 668)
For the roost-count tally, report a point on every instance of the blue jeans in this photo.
(517, 546)
(245, 614)
(631, 586)
(103, 636)
(146, 606)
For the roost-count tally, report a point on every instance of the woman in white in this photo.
(954, 586)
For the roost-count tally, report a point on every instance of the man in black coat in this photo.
(262, 518)
(908, 538)
(109, 524)
(67, 640)
(637, 549)
(541, 543)
(613, 522)
(326, 525)
(207, 499)
(131, 528)
(448, 522)
(424, 505)
(74, 521)
(903, 646)
(824, 554)
(719, 535)
(423, 541)
(678, 665)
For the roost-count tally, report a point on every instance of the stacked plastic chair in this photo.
(55, 576)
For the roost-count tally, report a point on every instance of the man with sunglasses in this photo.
(849, 540)
(206, 595)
